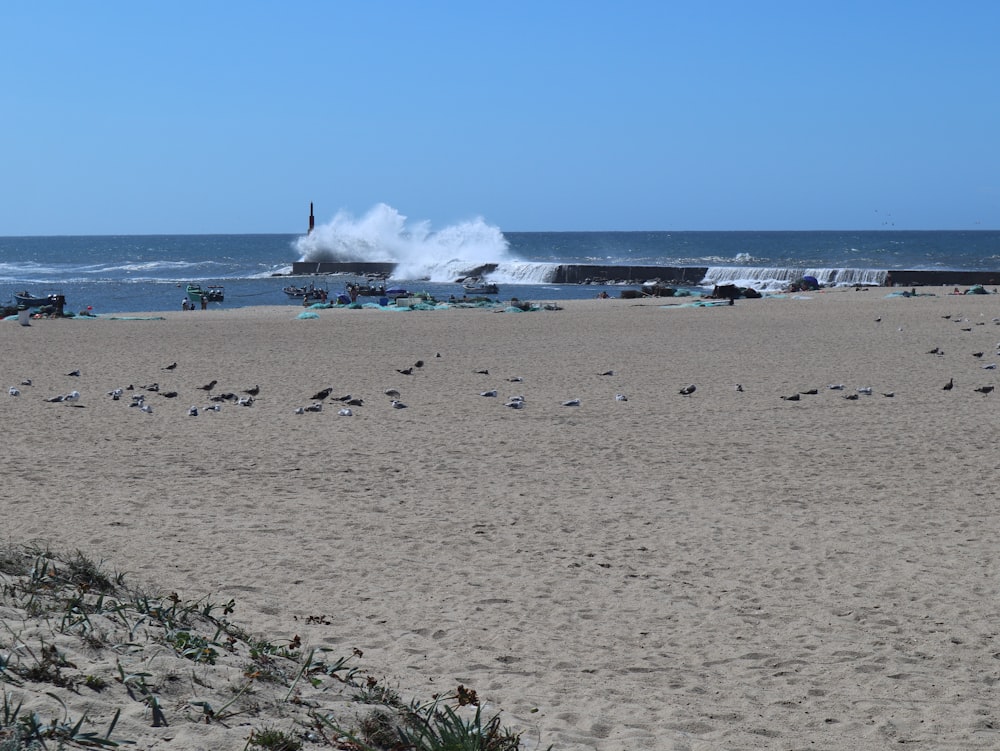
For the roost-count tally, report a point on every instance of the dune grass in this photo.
(75, 637)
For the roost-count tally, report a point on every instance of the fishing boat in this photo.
(29, 300)
(307, 292)
(475, 285)
(212, 293)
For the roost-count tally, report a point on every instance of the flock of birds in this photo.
(139, 396)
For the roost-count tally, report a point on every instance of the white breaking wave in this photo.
(772, 279)
(385, 235)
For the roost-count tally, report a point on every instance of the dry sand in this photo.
(725, 570)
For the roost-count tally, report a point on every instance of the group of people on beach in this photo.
(189, 304)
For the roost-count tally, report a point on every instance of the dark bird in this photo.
(739, 387)
(26, 382)
(356, 402)
(878, 320)
(984, 389)
(889, 394)
(792, 398)
(171, 366)
(852, 397)
(152, 387)
(344, 398)
(405, 371)
(74, 373)
(208, 386)
(391, 393)
(168, 394)
(950, 385)
(934, 351)
(56, 399)
(687, 390)
(967, 329)
(418, 364)
(607, 373)
(253, 392)
(321, 395)
(977, 354)
(810, 392)
(484, 371)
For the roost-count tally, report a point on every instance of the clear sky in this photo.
(226, 117)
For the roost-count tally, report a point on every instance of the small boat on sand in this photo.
(29, 300)
(474, 285)
(308, 292)
(212, 293)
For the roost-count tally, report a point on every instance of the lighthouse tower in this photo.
(312, 219)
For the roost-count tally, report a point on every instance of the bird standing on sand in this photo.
(984, 390)
(253, 392)
(391, 393)
(208, 386)
(171, 366)
(687, 390)
(950, 385)
(396, 404)
(13, 391)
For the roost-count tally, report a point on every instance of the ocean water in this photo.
(115, 274)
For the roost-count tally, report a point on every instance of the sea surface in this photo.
(119, 274)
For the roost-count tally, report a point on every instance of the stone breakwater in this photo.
(678, 275)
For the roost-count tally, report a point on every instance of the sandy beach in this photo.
(728, 569)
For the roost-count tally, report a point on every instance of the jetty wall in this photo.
(578, 273)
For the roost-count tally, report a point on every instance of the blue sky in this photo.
(223, 117)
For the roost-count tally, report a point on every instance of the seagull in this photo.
(935, 351)
(152, 387)
(621, 398)
(991, 366)
(810, 392)
(949, 386)
(792, 398)
(356, 401)
(687, 390)
(515, 404)
(418, 364)
(253, 392)
(13, 391)
(977, 354)
(571, 403)
(300, 410)
(491, 392)
(208, 386)
(58, 398)
(391, 393)
(889, 394)
(147, 408)
(116, 394)
(984, 390)
(836, 387)
(315, 407)
(396, 404)
(345, 412)
(867, 390)
(168, 394)
(739, 387)
(171, 366)
(607, 373)
(74, 373)
(515, 379)
(405, 371)
(321, 395)
(852, 397)
(245, 401)
(213, 408)
(193, 412)
(26, 382)
(484, 371)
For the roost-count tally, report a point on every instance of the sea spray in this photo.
(384, 235)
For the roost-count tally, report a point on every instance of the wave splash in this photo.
(419, 252)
